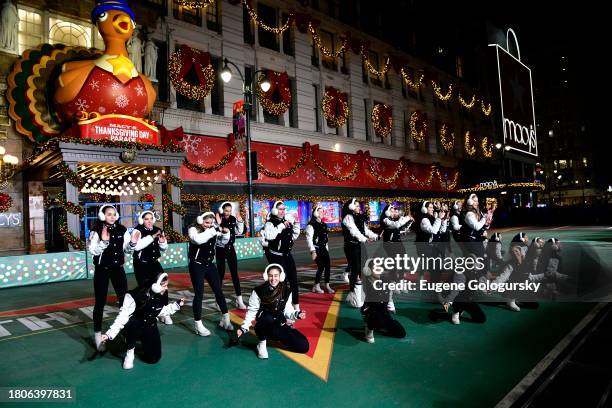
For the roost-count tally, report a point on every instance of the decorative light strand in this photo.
(418, 127)
(486, 110)
(438, 92)
(469, 149)
(447, 143)
(322, 48)
(261, 24)
(414, 85)
(487, 148)
(467, 105)
(371, 68)
(382, 119)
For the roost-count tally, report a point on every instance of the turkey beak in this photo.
(122, 23)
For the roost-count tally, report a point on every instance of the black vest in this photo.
(152, 252)
(360, 223)
(148, 305)
(469, 234)
(320, 236)
(424, 236)
(456, 234)
(284, 240)
(203, 253)
(113, 255)
(276, 308)
(390, 234)
(230, 223)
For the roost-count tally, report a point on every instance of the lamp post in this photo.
(247, 90)
(8, 167)
(504, 148)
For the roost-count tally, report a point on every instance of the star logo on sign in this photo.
(517, 93)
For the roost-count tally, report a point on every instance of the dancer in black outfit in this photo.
(109, 241)
(235, 226)
(316, 238)
(270, 305)
(138, 316)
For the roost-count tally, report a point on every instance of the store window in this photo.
(187, 14)
(69, 33)
(30, 30)
(213, 17)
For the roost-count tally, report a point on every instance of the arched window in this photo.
(65, 32)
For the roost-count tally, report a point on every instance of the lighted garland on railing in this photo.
(322, 48)
(486, 110)
(438, 91)
(349, 176)
(469, 149)
(386, 180)
(260, 23)
(418, 126)
(278, 175)
(414, 85)
(476, 189)
(467, 105)
(215, 167)
(447, 143)
(487, 148)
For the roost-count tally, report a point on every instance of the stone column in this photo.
(175, 193)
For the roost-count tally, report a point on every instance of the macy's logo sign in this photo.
(520, 134)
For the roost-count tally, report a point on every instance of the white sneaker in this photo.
(455, 318)
(317, 288)
(225, 322)
(327, 288)
(200, 329)
(128, 361)
(513, 306)
(98, 339)
(391, 306)
(240, 303)
(345, 276)
(369, 335)
(262, 351)
(166, 320)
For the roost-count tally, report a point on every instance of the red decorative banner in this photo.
(118, 128)
(308, 165)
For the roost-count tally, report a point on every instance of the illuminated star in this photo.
(121, 66)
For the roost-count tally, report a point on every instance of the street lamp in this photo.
(247, 90)
(506, 148)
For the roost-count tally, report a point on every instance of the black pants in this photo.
(288, 264)
(102, 275)
(228, 253)
(267, 327)
(377, 317)
(476, 313)
(267, 254)
(323, 265)
(198, 273)
(136, 330)
(146, 273)
(353, 256)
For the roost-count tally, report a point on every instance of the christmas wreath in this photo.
(277, 99)
(335, 107)
(5, 202)
(382, 119)
(180, 65)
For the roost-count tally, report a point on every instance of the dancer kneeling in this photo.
(138, 318)
(270, 305)
(375, 311)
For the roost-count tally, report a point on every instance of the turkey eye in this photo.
(102, 17)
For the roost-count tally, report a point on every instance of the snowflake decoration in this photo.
(231, 178)
(201, 162)
(139, 90)
(122, 101)
(115, 86)
(95, 85)
(101, 109)
(337, 168)
(207, 150)
(375, 163)
(239, 160)
(191, 144)
(81, 104)
(310, 175)
(281, 154)
(347, 159)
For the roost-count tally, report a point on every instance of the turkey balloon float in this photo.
(58, 90)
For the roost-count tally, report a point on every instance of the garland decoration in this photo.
(446, 142)
(70, 238)
(322, 48)
(467, 105)
(277, 99)
(386, 180)
(438, 91)
(72, 177)
(71, 207)
(382, 119)
(180, 64)
(175, 181)
(414, 85)
(335, 107)
(418, 126)
(348, 176)
(366, 61)
(197, 168)
(279, 175)
(195, 4)
(487, 148)
(147, 198)
(264, 26)
(486, 110)
(469, 149)
(6, 201)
